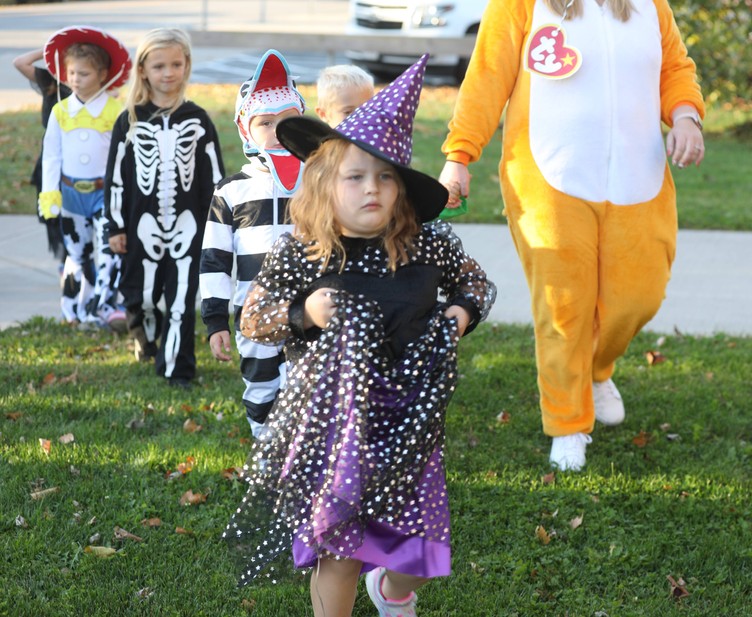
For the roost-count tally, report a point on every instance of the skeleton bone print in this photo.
(161, 175)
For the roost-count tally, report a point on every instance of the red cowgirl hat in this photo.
(120, 60)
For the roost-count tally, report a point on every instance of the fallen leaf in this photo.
(549, 478)
(678, 589)
(183, 531)
(187, 465)
(100, 551)
(576, 521)
(503, 417)
(665, 427)
(72, 378)
(151, 522)
(49, 379)
(231, 473)
(542, 535)
(145, 593)
(67, 438)
(189, 498)
(46, 445)
(655, 357)
(122, 534)
(13, 415)
(44, 492)
(190, 426)
(248, 605)
(135, 424)
(641, 440)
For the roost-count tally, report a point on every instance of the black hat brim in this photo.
(302, 136)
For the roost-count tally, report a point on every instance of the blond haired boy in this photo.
(340, 89)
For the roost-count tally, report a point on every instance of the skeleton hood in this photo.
(271, 90)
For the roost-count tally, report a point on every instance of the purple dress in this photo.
(352, 464)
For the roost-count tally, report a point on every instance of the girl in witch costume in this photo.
(587, 188)
(248, 213)
(350, 477)
(163, 165)
(74, 156)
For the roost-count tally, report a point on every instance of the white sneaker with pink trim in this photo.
(609, 408)
(388, 608)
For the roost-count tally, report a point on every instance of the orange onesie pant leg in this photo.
(597, 273)
(637, 248)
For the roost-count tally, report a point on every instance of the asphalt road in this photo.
(25, 27)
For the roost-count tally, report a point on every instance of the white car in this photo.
(416, 19)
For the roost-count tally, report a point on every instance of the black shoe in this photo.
(180, 382)
(144, 351)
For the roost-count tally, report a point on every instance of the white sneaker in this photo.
(609, 408)
(388, 608)
(568, 451)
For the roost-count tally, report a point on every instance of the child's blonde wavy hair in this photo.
(622, 9)
(312, 210)
(140, 90)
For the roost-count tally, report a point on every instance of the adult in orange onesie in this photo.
(588, 192)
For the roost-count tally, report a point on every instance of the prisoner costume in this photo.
(160, 182)
(246, 216)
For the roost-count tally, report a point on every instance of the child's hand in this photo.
(118, 243)
(219, 343)
(319, 308)
(461, 315)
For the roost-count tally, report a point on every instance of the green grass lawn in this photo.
(715, 196)
(94, 450)
(665, 494)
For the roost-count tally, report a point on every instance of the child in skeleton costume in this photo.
(248, 213)
(350, 476)
(75, 150)
(587, 189)
(163, 166)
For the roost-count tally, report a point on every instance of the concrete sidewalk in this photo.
(710, 292)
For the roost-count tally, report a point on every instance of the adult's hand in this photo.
(684, 142)
(456, 178)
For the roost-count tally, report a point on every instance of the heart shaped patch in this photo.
(546, 54)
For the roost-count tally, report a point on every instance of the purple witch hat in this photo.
(383, 127)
